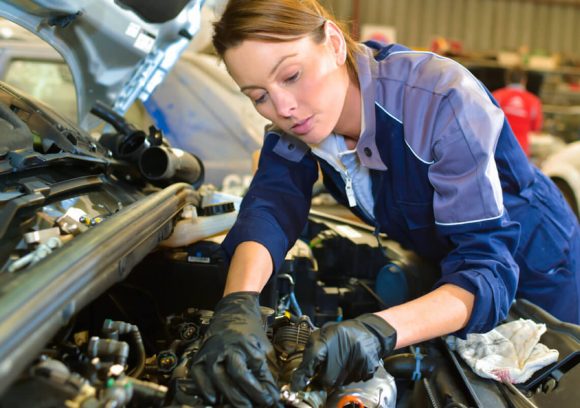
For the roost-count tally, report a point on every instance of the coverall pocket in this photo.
(546, 249)
(545, 245)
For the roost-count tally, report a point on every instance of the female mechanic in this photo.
(416, 147)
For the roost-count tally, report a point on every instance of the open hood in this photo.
(117, 50)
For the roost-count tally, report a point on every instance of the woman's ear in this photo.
(335, 39)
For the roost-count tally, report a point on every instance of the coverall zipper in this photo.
(349, 189)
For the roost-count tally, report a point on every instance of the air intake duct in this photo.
(163, 163)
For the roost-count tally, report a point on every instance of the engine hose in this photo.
(137, 340)
(115, 350)
(404, 365)
(129, 143)
(295, 305)
(113, 329)
(149, 393)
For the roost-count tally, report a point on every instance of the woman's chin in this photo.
(314, 137)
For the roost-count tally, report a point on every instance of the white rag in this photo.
(510, 352)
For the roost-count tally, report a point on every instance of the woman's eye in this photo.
(260, 100)
(292, 78)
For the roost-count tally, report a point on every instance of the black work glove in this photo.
(345, 352)
(233, 358)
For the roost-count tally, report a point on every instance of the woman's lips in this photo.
(303, 127)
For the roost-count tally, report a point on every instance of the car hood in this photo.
(117, 50)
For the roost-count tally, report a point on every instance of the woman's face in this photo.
(298, 84)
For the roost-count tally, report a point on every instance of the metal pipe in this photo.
(40, 300)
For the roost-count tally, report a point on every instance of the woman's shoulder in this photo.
(422, 69)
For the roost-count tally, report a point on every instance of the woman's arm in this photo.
(444, 310)
(250, 268)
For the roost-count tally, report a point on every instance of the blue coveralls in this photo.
(449, 181)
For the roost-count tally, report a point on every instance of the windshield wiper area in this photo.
(18, 161)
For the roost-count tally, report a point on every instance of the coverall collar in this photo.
(366, 147)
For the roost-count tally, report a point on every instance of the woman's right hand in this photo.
(233, 358)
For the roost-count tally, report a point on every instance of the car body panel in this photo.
(114, 55)
(198, 106)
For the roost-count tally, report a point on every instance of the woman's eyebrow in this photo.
(280, 61)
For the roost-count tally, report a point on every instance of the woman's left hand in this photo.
(345, 352)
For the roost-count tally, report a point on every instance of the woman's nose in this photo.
(285, 104)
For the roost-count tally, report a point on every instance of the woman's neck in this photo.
(349, 122)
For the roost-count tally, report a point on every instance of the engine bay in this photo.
(102, 306)
(133, 344)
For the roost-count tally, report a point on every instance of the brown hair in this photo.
(276, 21)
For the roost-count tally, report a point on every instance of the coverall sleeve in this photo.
(275, 208)
(468, 202)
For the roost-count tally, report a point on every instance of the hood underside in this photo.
(117, 50)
